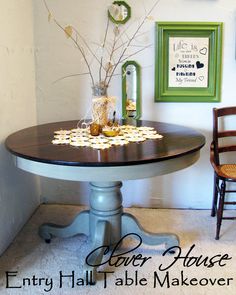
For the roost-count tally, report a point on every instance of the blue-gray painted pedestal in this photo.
(105, 224)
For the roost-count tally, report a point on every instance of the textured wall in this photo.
(19, 191)
(56, 57)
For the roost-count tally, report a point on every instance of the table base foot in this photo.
(80, 225)
(100, 246)
(131, 225)
(102, 237)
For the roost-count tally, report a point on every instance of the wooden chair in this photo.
(224, 173)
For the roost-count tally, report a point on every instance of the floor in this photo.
(201, 265)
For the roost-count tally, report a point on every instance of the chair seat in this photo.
(228, 170)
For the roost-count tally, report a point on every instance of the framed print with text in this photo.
(188, 61)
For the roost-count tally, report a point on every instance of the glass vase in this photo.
(102, 104)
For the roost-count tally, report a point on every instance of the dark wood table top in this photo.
(34, 143)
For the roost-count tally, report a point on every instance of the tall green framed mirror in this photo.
(131, 92)
(119, 12)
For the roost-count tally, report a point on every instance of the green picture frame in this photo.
(188, 61)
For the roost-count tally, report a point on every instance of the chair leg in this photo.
(215, 195)
(220, 209)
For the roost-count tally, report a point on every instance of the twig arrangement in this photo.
(117, 47)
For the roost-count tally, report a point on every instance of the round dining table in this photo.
(105, 223)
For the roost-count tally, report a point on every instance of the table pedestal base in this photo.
(105, 223)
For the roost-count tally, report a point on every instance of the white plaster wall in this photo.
(19, 191)
(67, 99)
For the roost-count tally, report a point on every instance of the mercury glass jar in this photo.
(100, 104)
